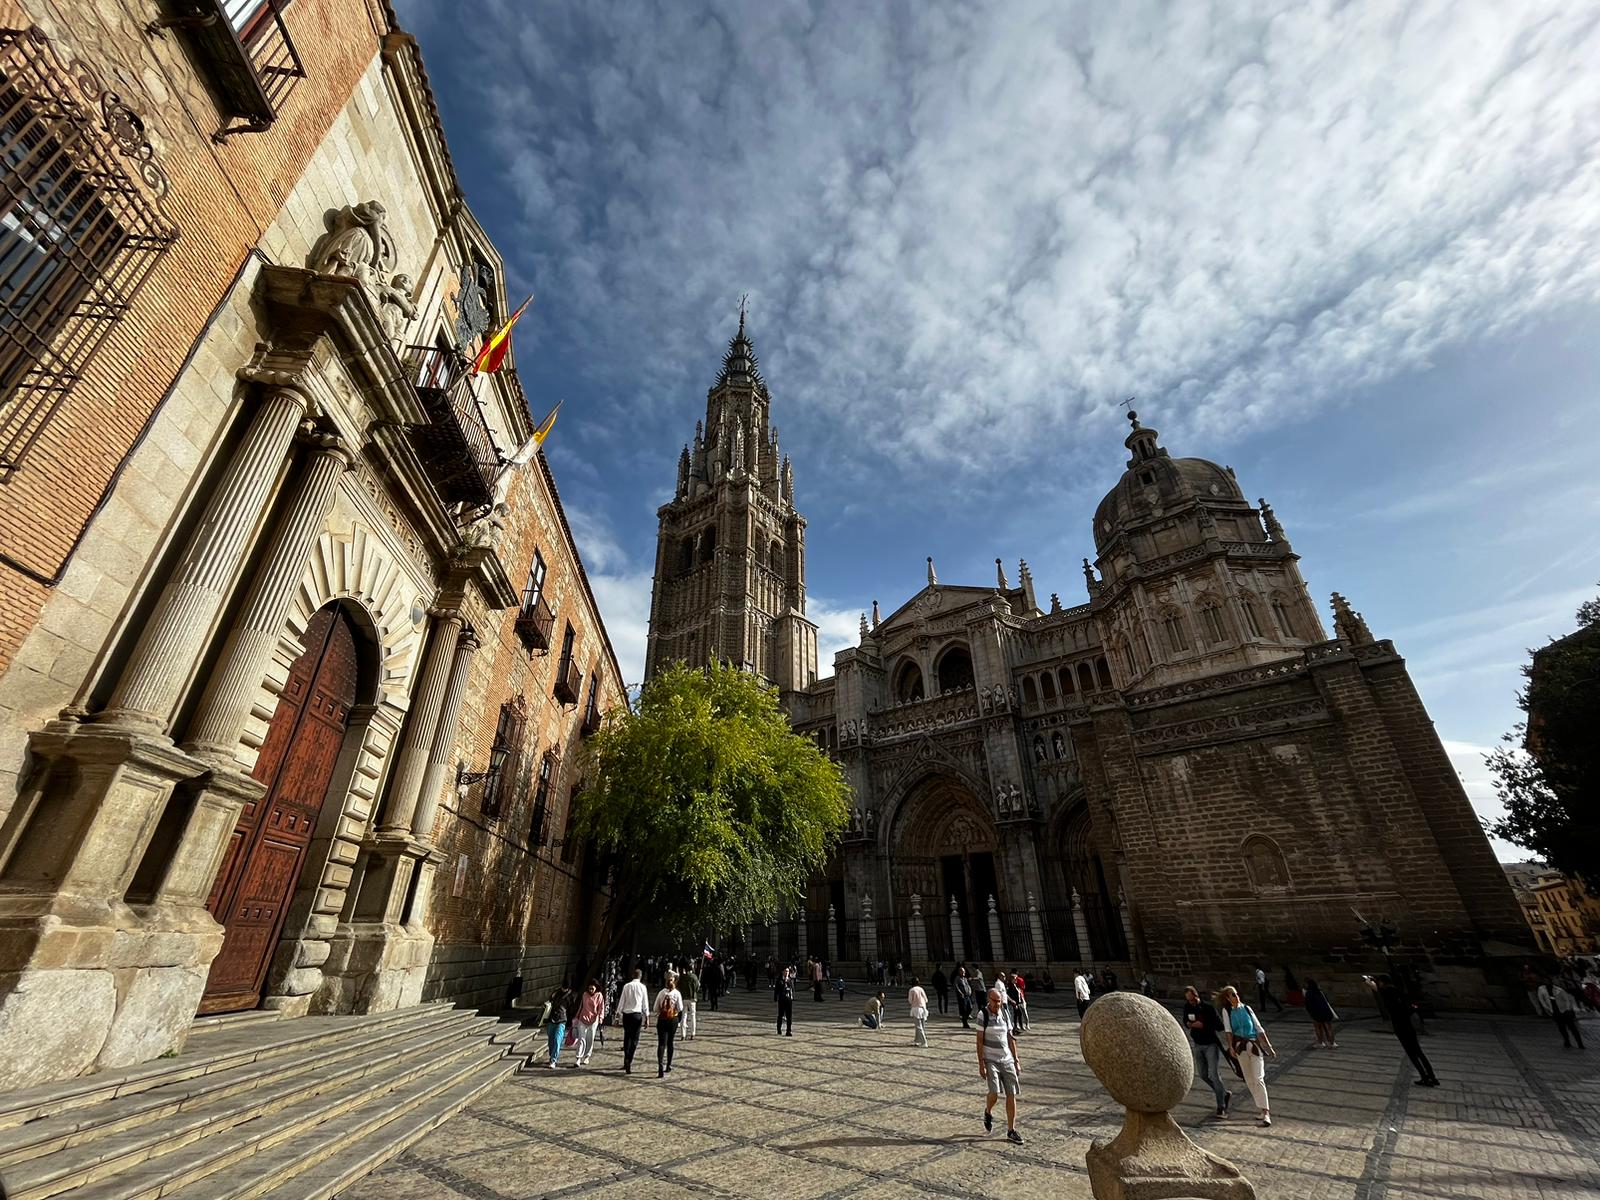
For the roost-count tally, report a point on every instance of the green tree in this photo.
(1547, 774)
(709, 809)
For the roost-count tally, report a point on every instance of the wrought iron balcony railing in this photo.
(455, 444)
(591, 722)
(246, 49)
(569, 683)
(533, 626)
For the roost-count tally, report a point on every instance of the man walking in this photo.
(816, 979)
(633, 1004)
(1264, 992)
(917, 1000)
(997, 1064)
(1555, 1001)
(1204, 1023)
(689, 985)
(784, 991)
(941, 987)
(1084, 993)
(964, 996)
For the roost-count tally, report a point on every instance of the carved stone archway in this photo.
(942, 842)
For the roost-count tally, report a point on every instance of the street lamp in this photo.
(497, 760)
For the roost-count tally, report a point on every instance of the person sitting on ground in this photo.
(872, 1014)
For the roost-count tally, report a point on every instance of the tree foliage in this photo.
(1547, 774)
(711, 810)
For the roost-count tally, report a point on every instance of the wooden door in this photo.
(264, 857)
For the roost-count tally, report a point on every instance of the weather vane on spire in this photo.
(744, 303)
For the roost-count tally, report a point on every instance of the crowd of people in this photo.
(1226, 1033)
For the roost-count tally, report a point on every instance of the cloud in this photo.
(963, 225)
(621, 589)
(837, 629)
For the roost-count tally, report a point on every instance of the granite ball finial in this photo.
(1141, 1055)
(1137, 1051)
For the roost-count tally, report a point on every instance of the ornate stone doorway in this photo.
(264, 857)
(1080, 866)
(943, 846)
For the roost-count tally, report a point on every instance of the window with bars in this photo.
(508, 736)
(538, 831)
(81, 229)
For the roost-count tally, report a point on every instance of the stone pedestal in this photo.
(1041, 953)
(1080, 926)
(958, 943)
(919, 935)
(95, 919)
(378, 959)
(1141, 1056)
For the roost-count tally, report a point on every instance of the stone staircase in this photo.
(256, 1107)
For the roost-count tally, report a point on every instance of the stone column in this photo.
(1081, 927)
(152, 683)
(997, 941)
(918, 933)
(833, 935)
(1041, 952)
(444, 737)
(214, 733)
(869, 933)
(958, 944)
(801, 953)
(416, 741)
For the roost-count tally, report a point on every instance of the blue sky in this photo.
(1352, 250)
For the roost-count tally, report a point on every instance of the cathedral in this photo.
(1184, 774)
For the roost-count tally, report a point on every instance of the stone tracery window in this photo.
(1265, 864)
(1212, 627)
(1067, 686)
(954, 668)
(1172, 626)
(1030, 691)
(908, 683)
(1283, 614)
(1047, 686)
(1252, 616)
(1086, 679)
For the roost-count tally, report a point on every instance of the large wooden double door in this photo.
(267, 851)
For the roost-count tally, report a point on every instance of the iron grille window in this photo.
(508, 736)
(537, 831)
(81, 229)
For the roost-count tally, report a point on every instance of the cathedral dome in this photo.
(1155, 481)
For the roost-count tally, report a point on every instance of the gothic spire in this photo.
(739, 365)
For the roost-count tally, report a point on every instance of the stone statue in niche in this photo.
(1265, 864)
(1038, 750)
(1002, 800)
(1058, 744)
(395, 308)
(359, 245)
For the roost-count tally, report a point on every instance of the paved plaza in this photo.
(840, 1111)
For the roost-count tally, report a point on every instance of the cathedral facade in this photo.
(1184, 774)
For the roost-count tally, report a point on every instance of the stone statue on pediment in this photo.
(488, 530)
(359, 245)
(395, 308)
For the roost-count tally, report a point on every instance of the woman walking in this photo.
(668, 1008)
(918, 1000)
(1321, 1014)
(591, 1011)
(964, 996)
(1252, 1046)
(556, 1028)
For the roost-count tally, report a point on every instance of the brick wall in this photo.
(222, 199)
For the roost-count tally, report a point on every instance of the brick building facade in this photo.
(1184, 775)
(266, 543)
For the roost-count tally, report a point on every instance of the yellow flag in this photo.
(546, 425)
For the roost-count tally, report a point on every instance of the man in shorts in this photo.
(997, 1062)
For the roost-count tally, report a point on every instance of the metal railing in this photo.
(534, 624)
(271, 52)
(455, 444)
(569, 683)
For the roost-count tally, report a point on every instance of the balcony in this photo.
(590, 724)
(247, 52)
(454, 444)
(534, 624)
(569, 682)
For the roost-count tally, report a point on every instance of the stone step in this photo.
(79, 1126)
(221, 1050)
(248, 1161)
(215, 1021)
(321, 1165)
(214, 1120)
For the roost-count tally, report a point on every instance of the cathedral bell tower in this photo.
(730, 579)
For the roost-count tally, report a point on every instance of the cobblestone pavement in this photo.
(839, 1111)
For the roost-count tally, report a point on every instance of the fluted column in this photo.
(416, 741)
(153, 680)
(997, 941)
(1041, 952)
(444, 737)
(917, 931)
(958, 944)
(1080, 926)
(228, 696)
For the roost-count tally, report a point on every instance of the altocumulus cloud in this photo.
(970, 221)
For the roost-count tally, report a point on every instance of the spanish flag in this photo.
(495, 348)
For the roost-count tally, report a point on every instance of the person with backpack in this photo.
(556, 1022)
(997, 1063)
(668, 1008)
(1251, 1046)
(591, 1011)
(783, 991)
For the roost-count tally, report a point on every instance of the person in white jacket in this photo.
(918, 1000)
(1555, 1001)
